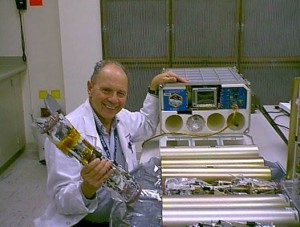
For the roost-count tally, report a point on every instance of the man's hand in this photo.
(94, 174)
(165, 77)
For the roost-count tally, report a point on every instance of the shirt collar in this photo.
(99, 124)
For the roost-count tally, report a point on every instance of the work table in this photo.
(10, 66)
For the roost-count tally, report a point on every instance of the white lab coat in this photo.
(66, 206)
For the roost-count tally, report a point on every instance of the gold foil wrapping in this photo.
(68, 142)
(211, 174)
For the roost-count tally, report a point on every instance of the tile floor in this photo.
(23, 190)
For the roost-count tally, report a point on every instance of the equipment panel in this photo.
(211, 100)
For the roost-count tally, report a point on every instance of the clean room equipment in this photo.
(204, 121)
(208, 103)
(68, 140)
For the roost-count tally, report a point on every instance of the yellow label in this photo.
(55, 94)
(42, 94)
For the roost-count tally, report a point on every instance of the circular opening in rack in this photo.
(215, 121)
(195, 123)
(173, 123)
(236, 121)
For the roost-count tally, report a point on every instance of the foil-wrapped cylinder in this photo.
(237, 186)
(66, 138)
(217, 173)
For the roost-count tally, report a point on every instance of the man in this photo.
(76, 195)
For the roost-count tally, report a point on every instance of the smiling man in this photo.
(76, 193)
(107, 91)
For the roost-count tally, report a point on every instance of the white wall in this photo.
(81, 46)
(63, 42)
(10, 44)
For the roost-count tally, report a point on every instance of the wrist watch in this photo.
(152, 92)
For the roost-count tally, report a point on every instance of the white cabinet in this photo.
(12, 130)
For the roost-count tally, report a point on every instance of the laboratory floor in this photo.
(23, 190)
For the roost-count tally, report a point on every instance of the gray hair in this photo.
(101, 64)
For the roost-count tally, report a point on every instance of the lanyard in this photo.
(105, 147)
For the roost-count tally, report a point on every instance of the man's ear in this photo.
(89, 87)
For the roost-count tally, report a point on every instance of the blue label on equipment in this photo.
(233, 96)
(175, 99)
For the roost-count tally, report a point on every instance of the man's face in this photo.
(108, 94)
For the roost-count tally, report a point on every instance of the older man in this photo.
(76, 195)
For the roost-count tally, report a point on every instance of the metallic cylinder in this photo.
(217, 173)
(224, 201)
(249, 151)
(65, 136)
(292, 162)
(200, 162)
(184, 217)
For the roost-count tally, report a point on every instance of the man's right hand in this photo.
(94, 174)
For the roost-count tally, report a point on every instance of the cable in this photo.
(235, 108)
(22, 38)
(281, 115)
(283, 126)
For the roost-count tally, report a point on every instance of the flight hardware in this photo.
(214, 100)
(60, 131)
